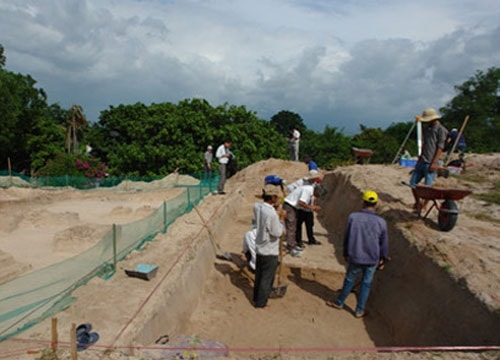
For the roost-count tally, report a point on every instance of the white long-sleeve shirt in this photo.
(219, 154)
(249, 245)
(269, 230)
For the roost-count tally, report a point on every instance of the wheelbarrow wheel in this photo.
(448, 215)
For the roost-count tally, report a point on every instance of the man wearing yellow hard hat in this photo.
(366, 248)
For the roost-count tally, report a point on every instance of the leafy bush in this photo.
(74, 165)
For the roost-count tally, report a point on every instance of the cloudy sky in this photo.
(340, 63)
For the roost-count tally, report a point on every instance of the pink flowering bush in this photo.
(74, 165)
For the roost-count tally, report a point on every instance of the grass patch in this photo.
(472, 177)
(484, 217)
(492, 196)
(446, 267)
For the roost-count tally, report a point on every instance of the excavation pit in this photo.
(424, 297)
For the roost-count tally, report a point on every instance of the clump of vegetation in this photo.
(473, 177)
(484, 217)
(47, 354)
(492, 196)
(74, 165)
(446, 267)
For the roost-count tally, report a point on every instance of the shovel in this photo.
(225, 255)
(280, 289)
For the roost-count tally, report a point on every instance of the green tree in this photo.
(399, 131)
(478, 97)
(285, 121)
(157, 139)
(76, 123)
(328, 149)
(28, 135)
(384, 146)
(2, 57)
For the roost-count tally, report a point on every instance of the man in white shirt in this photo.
(267, 242)
(299, 197)
(223, 154)
(294, 144)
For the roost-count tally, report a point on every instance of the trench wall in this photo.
(176, 300)
(419, 302)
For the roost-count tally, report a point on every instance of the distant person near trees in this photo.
(223, 155)
(311, 164)
(294, 141)
(406, 154)
(366, 248)
(461, 144)
(208, 157)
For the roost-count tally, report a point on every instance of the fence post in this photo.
(114, 247)
(188, 198)
(73, 341)
(164, 217)
(54, 340)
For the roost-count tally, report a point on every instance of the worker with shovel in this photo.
(270, 227)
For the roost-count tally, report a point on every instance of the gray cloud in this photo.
(334, 63)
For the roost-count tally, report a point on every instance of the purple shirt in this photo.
(365, 239)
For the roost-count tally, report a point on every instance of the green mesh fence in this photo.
(33, 297)
(8, 179)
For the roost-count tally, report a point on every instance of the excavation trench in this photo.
(414, 301)
(417, 300)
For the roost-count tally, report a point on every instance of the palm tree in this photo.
(76, 120)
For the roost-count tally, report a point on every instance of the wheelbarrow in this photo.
(448, 210)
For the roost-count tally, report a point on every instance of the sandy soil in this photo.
(40, 227)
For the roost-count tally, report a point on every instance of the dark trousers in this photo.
(265, 270)
(306, 217)
(208, 172)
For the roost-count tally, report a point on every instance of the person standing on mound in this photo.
(267, 242)
(434, 142)
(208, 157)
(223, 155)
(366, 248)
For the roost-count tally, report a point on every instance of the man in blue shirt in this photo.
(461, 144)
(311, 164)
(366, 248)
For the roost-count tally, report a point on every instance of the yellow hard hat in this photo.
(370, 196)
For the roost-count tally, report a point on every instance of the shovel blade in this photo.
(225, 256)
(278, 292)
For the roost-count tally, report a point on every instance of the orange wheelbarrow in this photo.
(448, 210)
